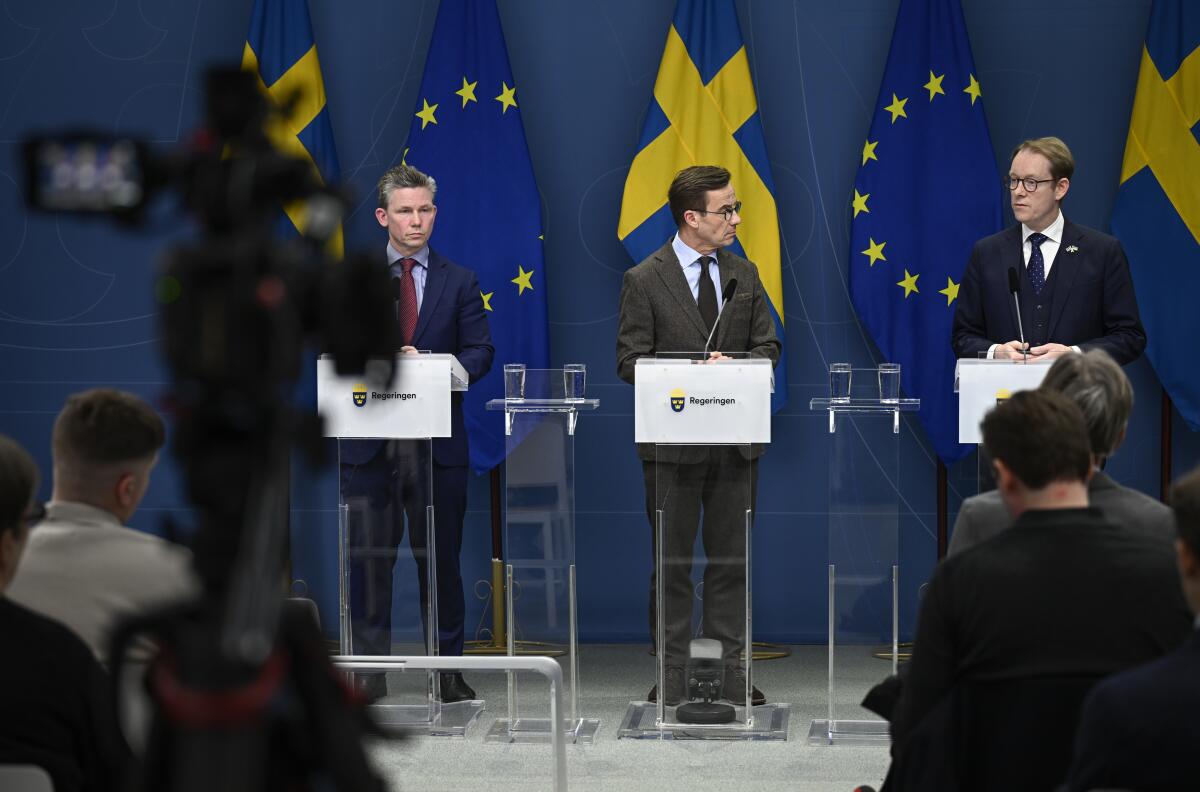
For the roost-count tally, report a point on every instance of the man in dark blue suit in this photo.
(1075, 291)
(439, 308)
(1140, 729)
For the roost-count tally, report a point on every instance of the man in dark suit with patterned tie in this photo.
(439, 308)
(1075, 291)
(669, 303)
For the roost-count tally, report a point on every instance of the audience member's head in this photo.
(1185, 503)
(18, 482)
(1038, 443)
(1100, 388)
(105, 444)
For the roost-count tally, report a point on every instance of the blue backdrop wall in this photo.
(76, 298)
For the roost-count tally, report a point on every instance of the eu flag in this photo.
(1157, 214)
(281, 51)
(927, 189)
(467, 134)
(704, 112)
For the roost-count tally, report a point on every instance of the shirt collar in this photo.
(421, 256)
(1053, 232)
(686, 255)
(76, 512)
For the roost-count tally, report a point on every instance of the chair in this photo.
(24, 778)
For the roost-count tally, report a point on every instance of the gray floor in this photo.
(613, 675)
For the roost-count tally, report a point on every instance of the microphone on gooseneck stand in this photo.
(726, 296)
(1014, 287)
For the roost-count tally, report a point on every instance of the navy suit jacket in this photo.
(451, 321)
(1141, 729)
(1094, 306)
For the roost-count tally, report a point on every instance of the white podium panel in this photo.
(415, 406)
(689, 402)
(978, 382)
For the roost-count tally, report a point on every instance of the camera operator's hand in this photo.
(409, 350)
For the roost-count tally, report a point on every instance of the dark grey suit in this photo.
(659, 314)
(983, 516)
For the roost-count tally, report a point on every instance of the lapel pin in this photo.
(1072, 248)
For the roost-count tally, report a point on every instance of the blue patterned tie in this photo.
(1037, 264)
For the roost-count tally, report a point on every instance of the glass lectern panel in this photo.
(541, 411)
(863, 570)
(539, 552)
(389, 572)
(864, 557)
(703, 503)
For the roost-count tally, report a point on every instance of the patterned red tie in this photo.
(406, 296)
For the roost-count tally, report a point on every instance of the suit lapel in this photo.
(671, 274)
(435, 284)
(725, 268)
(1065, 270)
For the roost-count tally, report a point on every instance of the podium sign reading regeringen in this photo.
(979, 382)
(415, 406)
(685, 401)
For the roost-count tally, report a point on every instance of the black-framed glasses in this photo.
(36, 513)
(728, 211)
(1030, 183)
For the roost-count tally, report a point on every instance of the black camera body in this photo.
(705, 675)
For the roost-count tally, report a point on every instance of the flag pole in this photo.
(499, 635)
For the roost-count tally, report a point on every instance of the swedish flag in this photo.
(1157, 214)
(704, 112)
(466, 133)
(927, 189)
(280, 49)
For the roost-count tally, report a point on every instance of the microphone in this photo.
(726, 296)
(1014, 288)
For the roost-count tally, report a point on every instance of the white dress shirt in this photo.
(690, 261)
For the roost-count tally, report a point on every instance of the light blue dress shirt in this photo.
(418, 272)
(690, 261)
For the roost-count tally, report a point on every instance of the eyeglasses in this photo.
(728, 211)
(36, 513)
(1030, 183)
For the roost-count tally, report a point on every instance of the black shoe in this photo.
(455, 688)
(675, 687)
(370, 687)
(734, 689)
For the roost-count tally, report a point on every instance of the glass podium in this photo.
(541, 412)
(387, 524)
(700, 427)
(864, 546)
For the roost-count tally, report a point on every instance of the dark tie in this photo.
(706, 300)
(1037, 264)
(406, 301)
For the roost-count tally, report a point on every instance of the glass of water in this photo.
(889, 383)
(839, 383)
(574, 381)
(514, 381)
